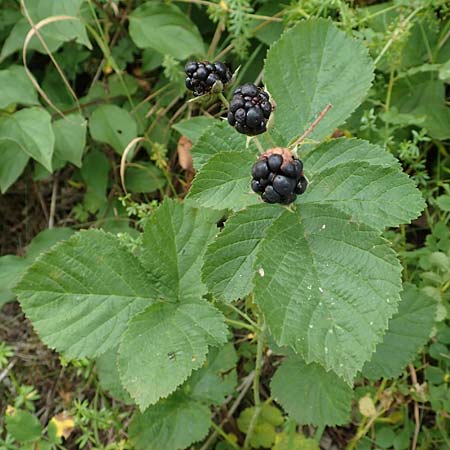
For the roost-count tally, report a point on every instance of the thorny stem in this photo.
(256, 396)
(240, 324)
(242, 314)
(311, 128)
(258, 144)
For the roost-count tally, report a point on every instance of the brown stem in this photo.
(310, 129)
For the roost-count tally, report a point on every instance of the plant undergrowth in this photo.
(190, 314)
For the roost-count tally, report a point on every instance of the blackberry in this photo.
(278, 176)
(203, 76)
(250, 110)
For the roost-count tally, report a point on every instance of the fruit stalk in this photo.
(310, 129)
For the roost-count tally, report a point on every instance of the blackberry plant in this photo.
(315, 282)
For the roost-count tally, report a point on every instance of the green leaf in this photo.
(114, 126)
(165, 28)
(109, 378)
(363, 180)
(311, 395)
(224, 182)
(23, 426)
(325, 66)
(30, 130)
(217, 378)
(70, 138)
(54, 34)
(295, 441)
(81, 294)
(194, 127)
(421, 96)
(264, 430)
(327, 286)
(175, 240)
(144, 177)
(12, 163)
(172, 424)
(217, 138)
(16, 88)
(408, 331)
(11, 268)
(46, 239)
(229, 260)
(173, 340)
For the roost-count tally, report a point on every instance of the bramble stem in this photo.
(310, 129)
(258, 144)
(224, 100)
(239, 324)
(256, 396)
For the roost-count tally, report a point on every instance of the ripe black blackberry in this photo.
(250, 110)
(202, 76)
(278, 176)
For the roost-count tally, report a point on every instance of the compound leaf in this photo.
(311, 395)
(328, 286)
(81, 294)
(172, 424)
(314, 64)
(165, 28)
(175, 240)
(224, 182)
(173, 340)
(409, 329)
(229, 259)
(217, 138)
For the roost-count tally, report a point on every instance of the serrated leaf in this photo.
(173, 340)
(314, 64)
(228, 268)
(224, 182)
(216, 379)
(70, 138)
(409, 329)
(54, 34)
(172, 424)
(310, 394)
(23, 426)
(165, 28)
(219, 137)
(109, 378)
(328, 286)
(30, 130)
(81, 294)
(373, 195)
(337, 152)
(114, 126)
(175, 240)
(194, 127)
(16, 88)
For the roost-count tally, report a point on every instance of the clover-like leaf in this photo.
(327, 286)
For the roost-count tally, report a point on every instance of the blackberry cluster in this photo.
(202, 76)
(278, 176)
(250, 110)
